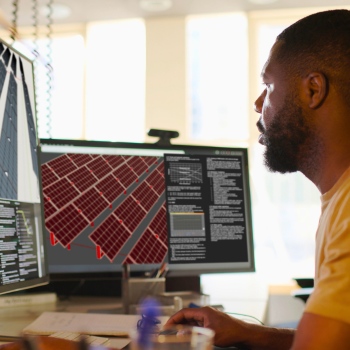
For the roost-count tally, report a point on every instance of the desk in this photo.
(14, 319)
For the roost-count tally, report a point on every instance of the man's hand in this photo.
(228, 330)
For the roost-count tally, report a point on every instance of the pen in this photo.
(165, 272)
(161, 270)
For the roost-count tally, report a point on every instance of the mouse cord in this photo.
(237, 314)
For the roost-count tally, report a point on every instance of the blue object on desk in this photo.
(145, 321)
(193, 305)
(148, 324)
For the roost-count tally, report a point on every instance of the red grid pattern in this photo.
(60, 193)
(48, 176)
(156, 244)
(159, 225)
(144, 195)
(150, 160)
(111, 235)
(80, 159)
(130, 214)
(49, 207)
(67, 224)
(91, 204)
(114, 161)
(157, 182)
(110, 188)
(125, 175)
(99, 167)
(126, 158)
(138, 165)
(160, 168)
(62, 166)
(148, 250)
(82, 179)
(110, 176)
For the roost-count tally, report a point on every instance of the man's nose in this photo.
(259, 102)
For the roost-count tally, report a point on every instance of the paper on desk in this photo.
(94, 324)
(118, 343)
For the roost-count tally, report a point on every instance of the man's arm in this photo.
(319, 332)
(230, 331)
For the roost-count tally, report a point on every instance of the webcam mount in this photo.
(164, 136)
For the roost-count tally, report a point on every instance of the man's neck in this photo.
(328, 174)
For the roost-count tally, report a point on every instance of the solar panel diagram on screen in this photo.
(118, 201)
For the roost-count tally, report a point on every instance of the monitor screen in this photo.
(111, 204)
(22, 248)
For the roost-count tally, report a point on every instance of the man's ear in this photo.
(315, 86)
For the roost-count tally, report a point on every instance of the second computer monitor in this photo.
(22, 249)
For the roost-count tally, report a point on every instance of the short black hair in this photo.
(319, 42)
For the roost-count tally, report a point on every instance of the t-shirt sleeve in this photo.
(331, 295)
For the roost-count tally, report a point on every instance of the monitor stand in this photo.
(135, 289)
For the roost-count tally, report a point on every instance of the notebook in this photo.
(94, 324)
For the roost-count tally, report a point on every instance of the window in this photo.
(96, 89)
(115, 81)
(63, 87)
(217, 49)
(59, 91)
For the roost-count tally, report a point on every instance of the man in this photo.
(305, 126)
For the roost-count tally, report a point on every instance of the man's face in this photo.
(283, 126)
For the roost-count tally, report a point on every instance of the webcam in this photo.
(164, 136)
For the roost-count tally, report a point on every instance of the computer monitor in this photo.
(111, 204)
(22, 248)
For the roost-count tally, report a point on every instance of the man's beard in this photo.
(285, 139)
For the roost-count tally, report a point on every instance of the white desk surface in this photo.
(14, 319)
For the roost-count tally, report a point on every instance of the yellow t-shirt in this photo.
(331, 295)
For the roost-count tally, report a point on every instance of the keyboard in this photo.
(90, 339)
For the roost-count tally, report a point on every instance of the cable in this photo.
(238, 314)
(35, 50)
(35, 23)
(49, 70)
(13, 29)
